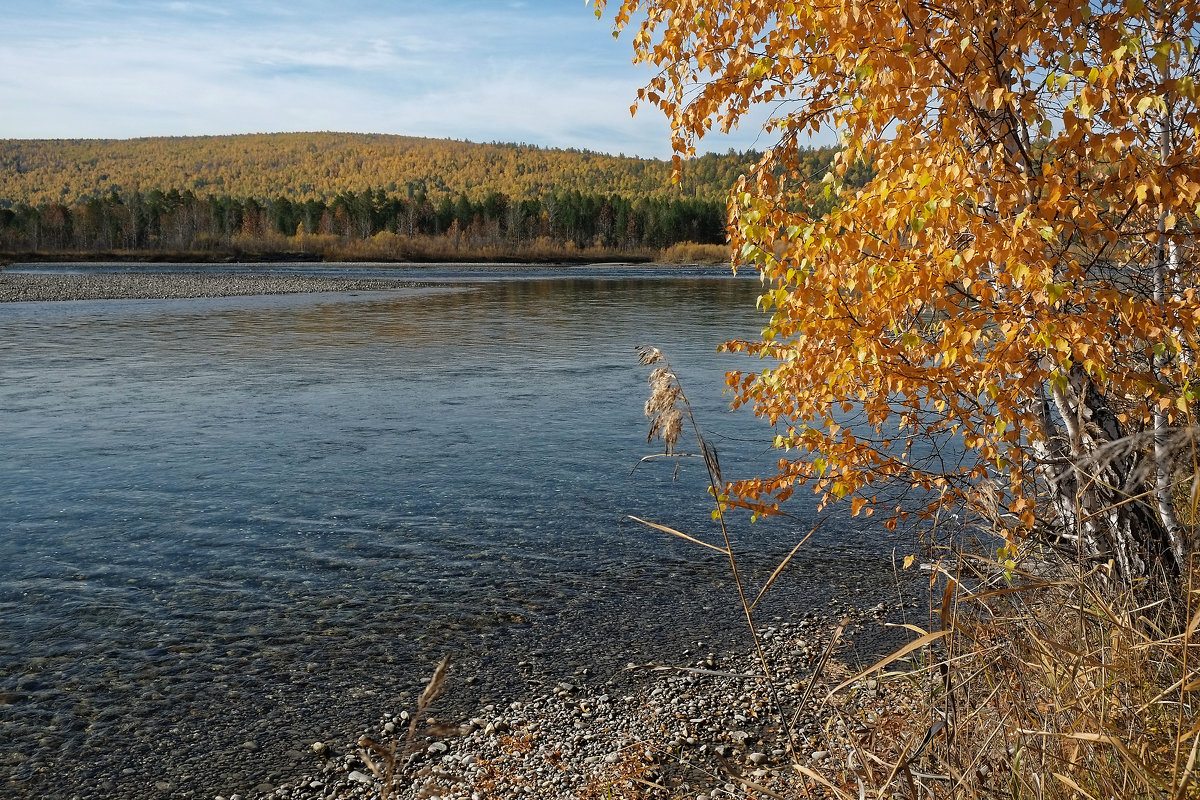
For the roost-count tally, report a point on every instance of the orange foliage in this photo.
(1018, 274)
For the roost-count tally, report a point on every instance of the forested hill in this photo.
(321, 166)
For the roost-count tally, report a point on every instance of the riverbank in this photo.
(353, 253)
(25, 287)
(385, 249)
(706, 728)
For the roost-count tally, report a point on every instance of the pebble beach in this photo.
(704, 729)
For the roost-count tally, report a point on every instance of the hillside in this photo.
(337, 196)
(320, 166)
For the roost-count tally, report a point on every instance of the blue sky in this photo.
(539, 71)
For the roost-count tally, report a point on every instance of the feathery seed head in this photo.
(663, 406)
(649, 355)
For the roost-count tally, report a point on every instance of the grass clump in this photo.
(1037, 688)
(694, 253)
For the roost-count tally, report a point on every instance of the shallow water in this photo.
(229, 527)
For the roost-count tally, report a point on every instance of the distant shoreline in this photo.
(277, 257)
(158, 281)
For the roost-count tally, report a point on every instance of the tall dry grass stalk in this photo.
(391, 761)
(669, 412)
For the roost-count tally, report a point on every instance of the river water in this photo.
(230, 527)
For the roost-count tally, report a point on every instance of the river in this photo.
(232, 526)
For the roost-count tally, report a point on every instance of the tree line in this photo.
(182, 221)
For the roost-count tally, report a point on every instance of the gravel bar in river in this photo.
(24, 287)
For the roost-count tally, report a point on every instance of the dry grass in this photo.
(382, 247)
(392, 762)
(399, 248)
(1039, 689)
(1038, 678)
(693, 253)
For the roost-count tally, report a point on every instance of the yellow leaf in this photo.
(938, 275)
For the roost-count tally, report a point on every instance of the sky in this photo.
(544, 72)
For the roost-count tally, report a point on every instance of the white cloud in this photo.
(541, 73)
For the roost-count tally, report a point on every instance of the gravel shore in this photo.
(24, 287)
(704, 731)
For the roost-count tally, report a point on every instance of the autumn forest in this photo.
(354, 197)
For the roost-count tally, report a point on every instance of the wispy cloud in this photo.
(198, 9)
(542, 71)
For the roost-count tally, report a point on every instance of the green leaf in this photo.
(761, 67)
(1059, 381)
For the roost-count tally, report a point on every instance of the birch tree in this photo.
(1018, 275)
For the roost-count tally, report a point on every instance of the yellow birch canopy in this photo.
(1018, 273)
